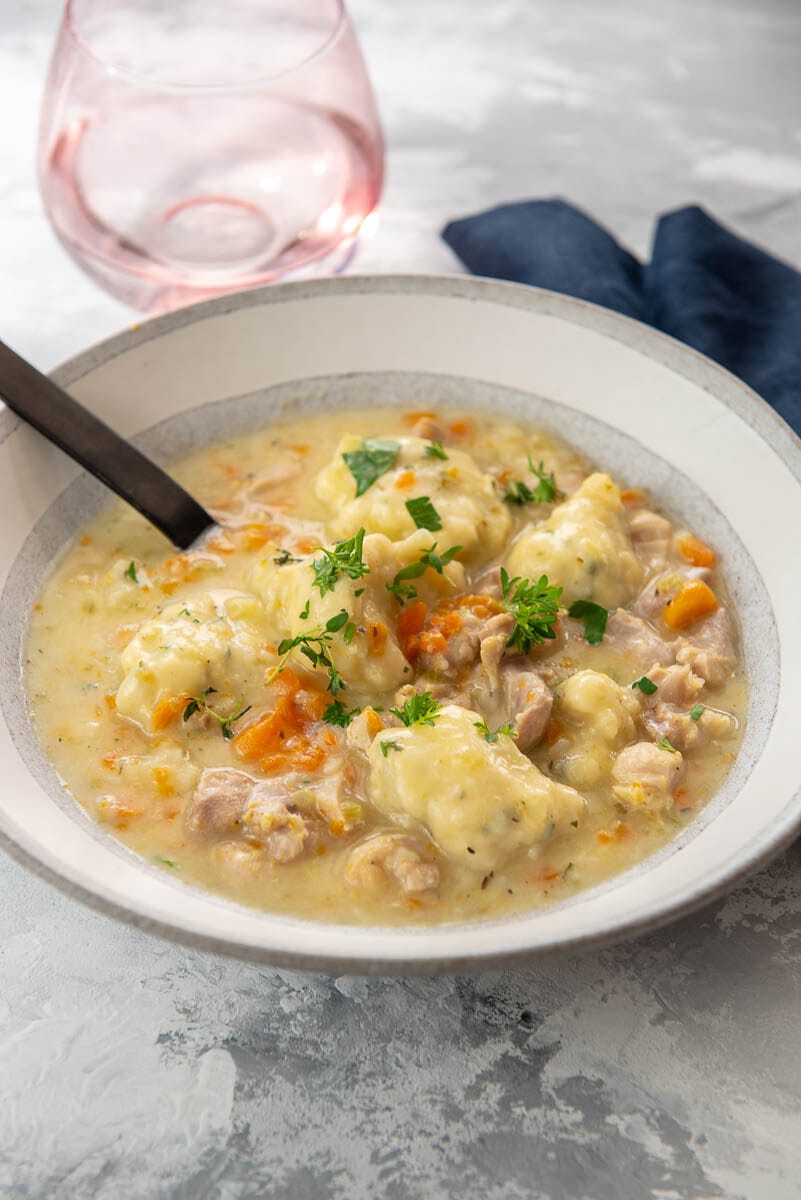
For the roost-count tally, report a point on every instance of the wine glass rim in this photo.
(70, 26)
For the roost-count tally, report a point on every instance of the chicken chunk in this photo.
(526, 703)
(645, 776)
(634, 639)
(454, 638)
(274, 824)
(676, 685)
(667, 721)
(651, 536)
(710, 652)
(392, 859)
(427, 426)
(219, 801)
(659, 590)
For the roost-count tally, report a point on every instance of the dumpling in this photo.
(482, 802)
(584, 546)
(599, 717)
(215, 639)
(372, 659)
(473, 515)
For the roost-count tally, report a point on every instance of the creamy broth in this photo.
(164, 697)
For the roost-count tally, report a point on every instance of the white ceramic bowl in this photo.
(636, 402)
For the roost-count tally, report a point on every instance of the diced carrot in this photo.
(313, 704)
(633, 497)
(411, 620)
(253, 537)
(695, 600)
(406, 479)
(553, 731)
(481, 605)
(374, 722)
(221, 543)
(320, 851)
(432, 642)
(696, 552)
(307, 545)
(286, 682)
(376, 637)
(505, 474)
(167, 710)
(299, 448)
(162, 779)
(548, 876)
(411, 418)
(336, 828)
(460, 428)
(109, 761)
(604, 837)
(329, 737)
(111, 701)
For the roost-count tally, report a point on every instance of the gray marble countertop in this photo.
(669, 1067)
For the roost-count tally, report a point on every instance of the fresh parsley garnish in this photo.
(646, 685)
(167, 862)
(436, 450)
(534, 606)
(666, 744)
(316, 647)
(337, 714)
(594, 617)
(423, 513)
(131, 572)
(283, 557)
(386, 746)
(200, 704)
(492, 735)
(401, 587)
(346, 559)
(419, 709)
(304, 612)
(369, 463)
(545, 492)
(695, 711)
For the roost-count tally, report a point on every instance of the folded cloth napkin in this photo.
(704, 285)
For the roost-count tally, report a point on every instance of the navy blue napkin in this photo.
(704, 285)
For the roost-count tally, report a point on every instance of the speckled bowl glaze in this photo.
(637, 403)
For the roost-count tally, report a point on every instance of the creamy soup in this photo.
(429, 667)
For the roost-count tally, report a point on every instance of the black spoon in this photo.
(104, 454)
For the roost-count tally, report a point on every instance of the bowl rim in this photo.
(679, 359)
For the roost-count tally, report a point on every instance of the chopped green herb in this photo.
(420, 709)
(534, 606)
(131, 572)
(316, 647)
(402, 589)
(304, 613)
(518, 492)
(345, 559)
(665, 744)
(436, 450)
(423, 513)
(283, 557)
(646, 685)
(369, 463)
(348, 633)
(386, 746)
(492, 735)
(567, 869)
(695, 711)
(337, 714)
(594, 617)
(184, 613)
(545, 492)
(167, 862)
(200, 704)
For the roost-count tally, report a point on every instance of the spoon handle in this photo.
(101, 451)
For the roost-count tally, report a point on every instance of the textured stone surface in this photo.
(666, 1068)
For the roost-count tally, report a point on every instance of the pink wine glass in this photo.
(192, 147)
